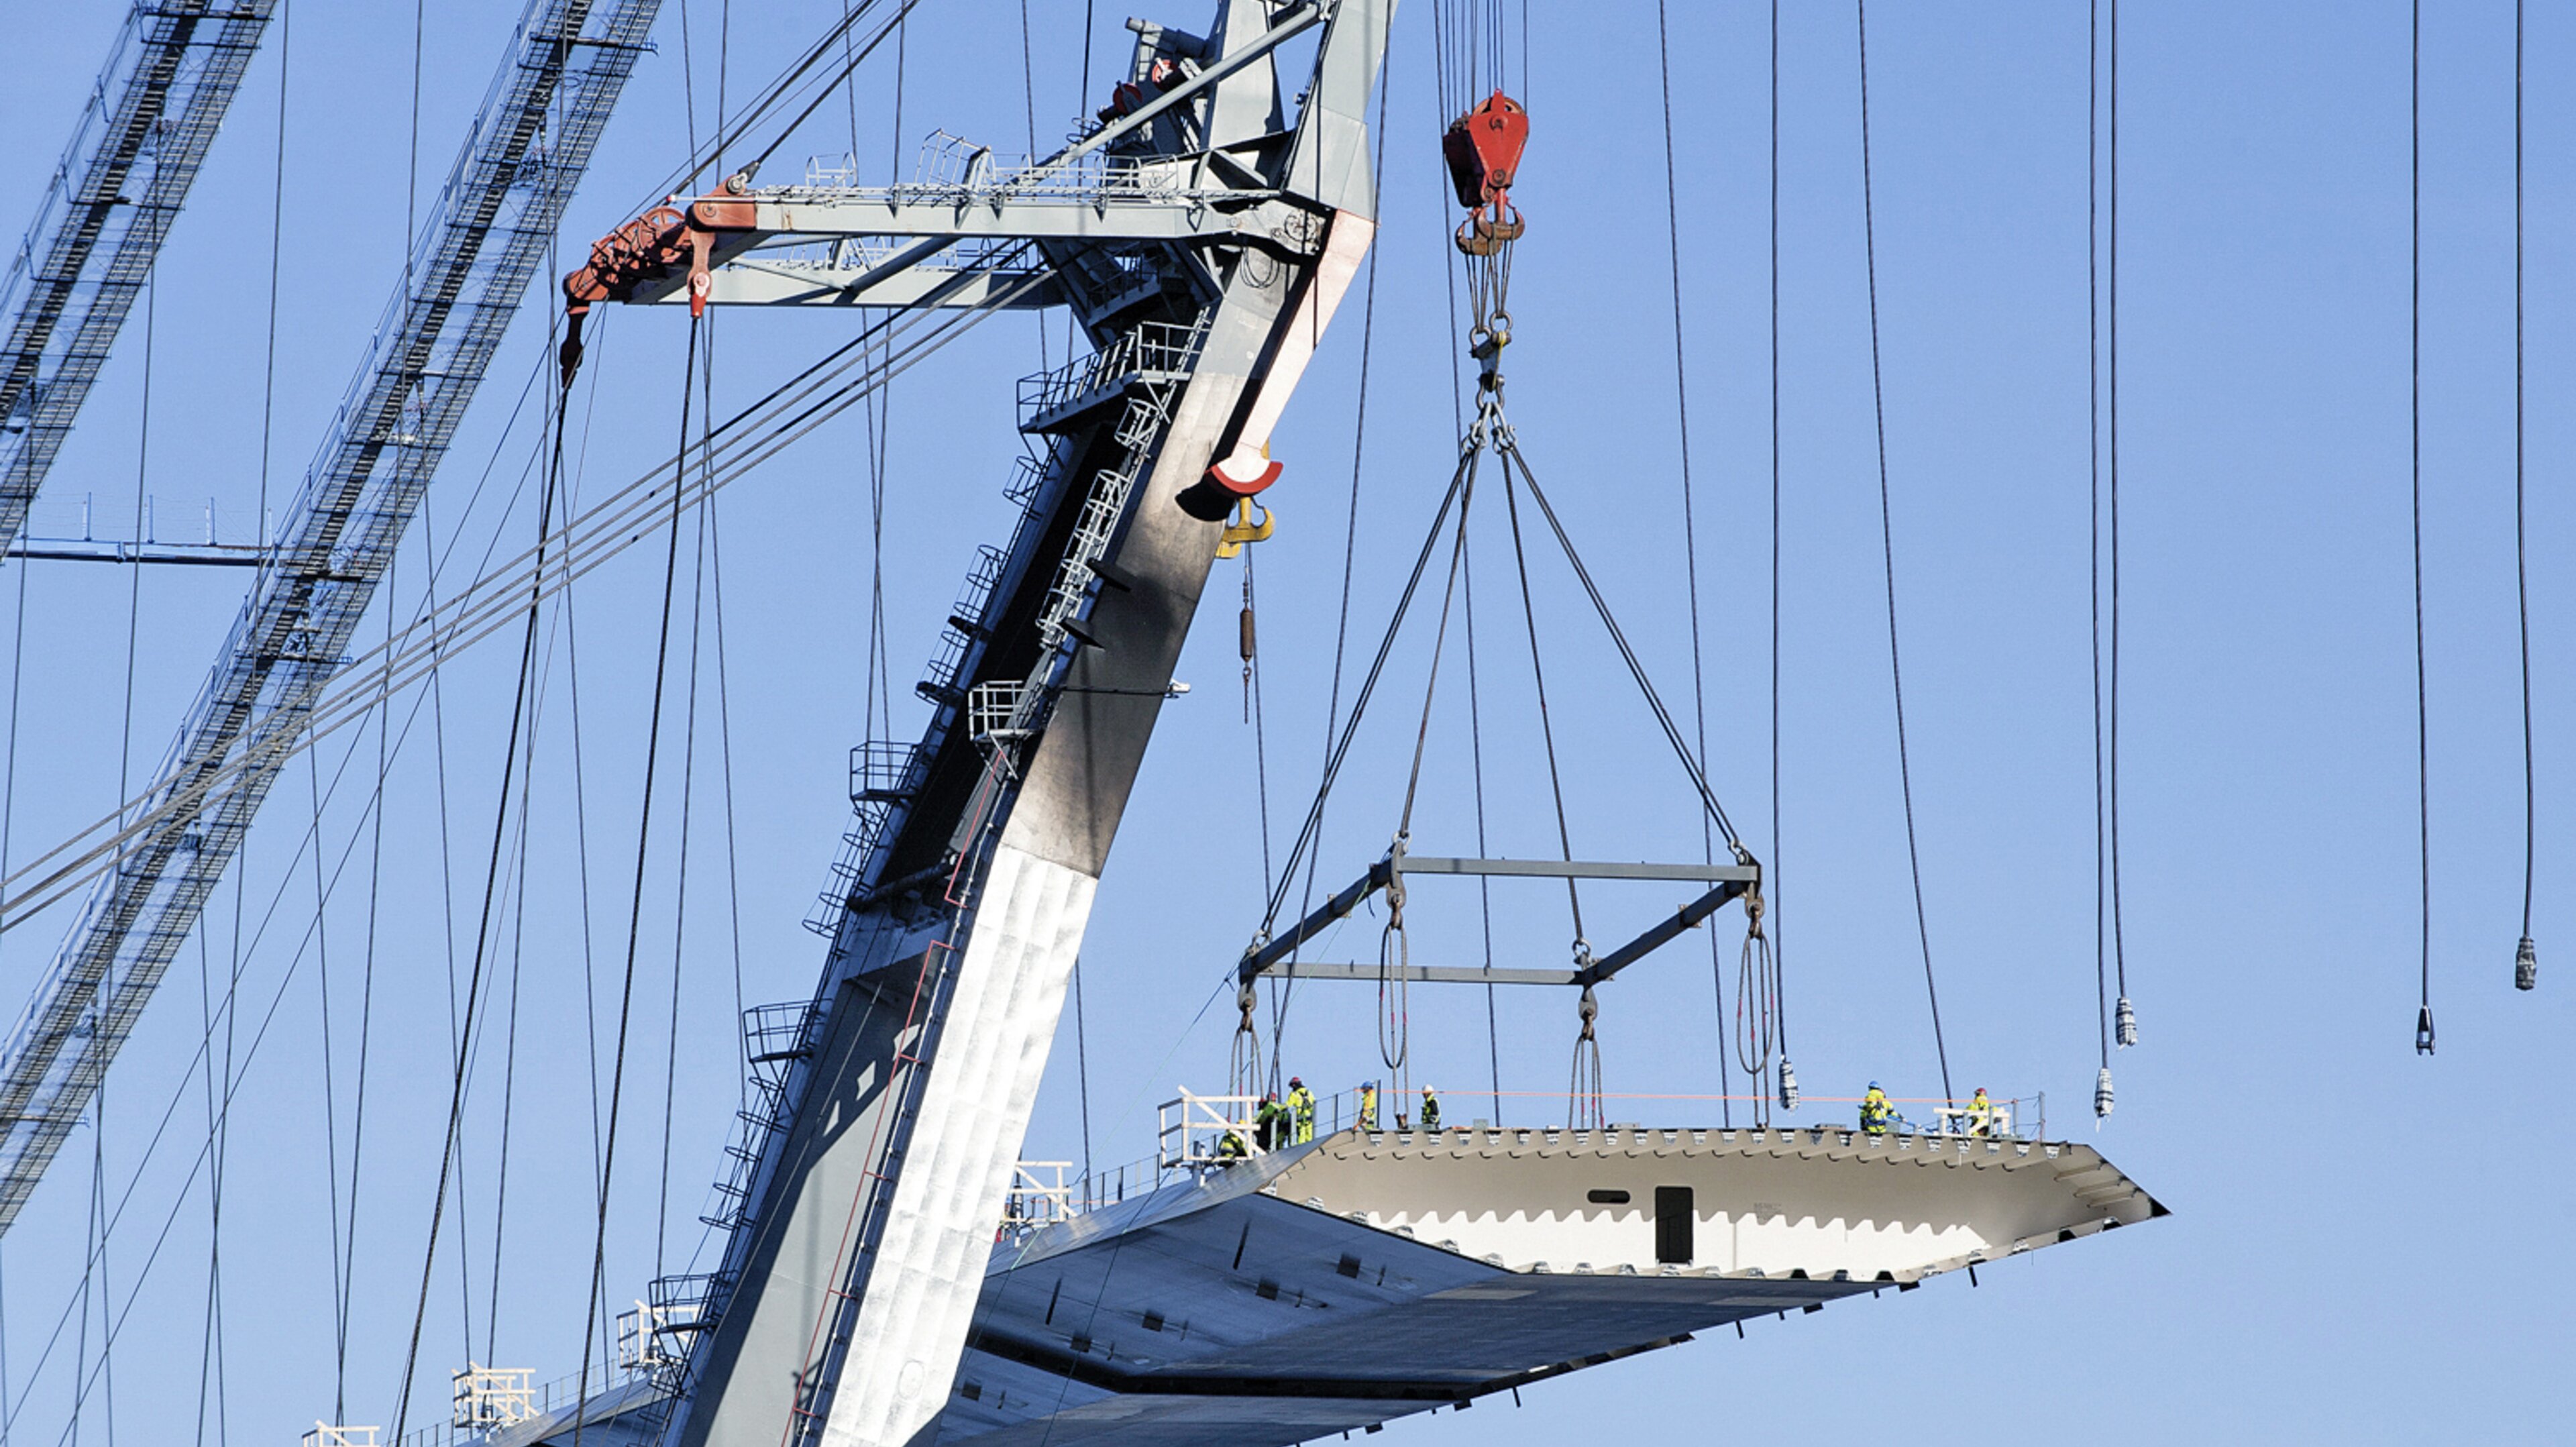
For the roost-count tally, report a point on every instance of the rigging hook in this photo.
(1395, 967)
(1243, 530)
(1583, 1108)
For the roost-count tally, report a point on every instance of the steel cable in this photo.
(1627, 654)
(2124, 1025)
(488, 605)
(2526, 960)
(1887, 539)
(1546, 729)
(593, 1302)
(1771, 875)
(2093, 395)
(1690, 519)
(1359, 704)
(500, 821)
(2415, 496)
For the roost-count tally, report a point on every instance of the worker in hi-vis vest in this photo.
(1301, 1106)
(1430, 1109)
(1875, 1111)
(1368, 1105)
(1981, 1114)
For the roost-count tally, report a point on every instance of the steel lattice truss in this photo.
(487, 233)
(151, 115)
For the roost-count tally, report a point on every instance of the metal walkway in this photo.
(151, 115)
(487, 233)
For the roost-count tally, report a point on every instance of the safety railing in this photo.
(953, 170)
(1191, 1128)
(489, 1397)
(651, 1336)
(326, 1435)
(1040, 1196)
(543, 1398)
(1148, 351)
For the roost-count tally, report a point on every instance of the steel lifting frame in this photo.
(487, 231)
(1728, 882)
(154, 110)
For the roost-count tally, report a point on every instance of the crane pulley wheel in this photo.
(1483, 148)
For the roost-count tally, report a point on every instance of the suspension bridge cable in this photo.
(348, 1242)
(2093, 394)
(8, 821)
(493, 601)
(2123, 1024)
(2526, 959)
(124, 765)
(1771, 876)
(206, 1012)
(8, 829)
(1887, 540)
(1681, 402)
(2415, 493)
(206, 1151)
(211, 1355)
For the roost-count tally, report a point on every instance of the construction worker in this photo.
(1230, 1147)
(1368, 1105)
(1875, 1111)
(1430, 1109)
(1301, 1109)
(1270, 1122)
(1981, 1114)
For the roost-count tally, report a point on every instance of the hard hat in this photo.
(1873, 1085)
(1426, 1090)
(1294, 1082)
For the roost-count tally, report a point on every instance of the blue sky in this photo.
(2363, 1240)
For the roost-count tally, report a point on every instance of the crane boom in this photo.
(152, 113)
(566, 62)
(1203, 241)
